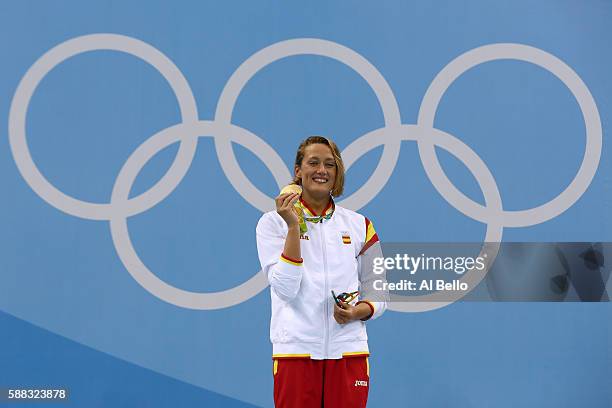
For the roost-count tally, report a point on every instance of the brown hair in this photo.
(339, 182)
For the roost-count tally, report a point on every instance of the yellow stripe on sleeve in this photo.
(296, 262)
(370, 232)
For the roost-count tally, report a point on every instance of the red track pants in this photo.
(306, 383)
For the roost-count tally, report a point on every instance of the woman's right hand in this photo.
(284, 208)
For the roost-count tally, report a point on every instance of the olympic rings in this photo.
(119, 229)
(311, 46)
(592, 154)
(224, 133)
(58, 54)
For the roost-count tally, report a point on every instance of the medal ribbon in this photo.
(302, 217)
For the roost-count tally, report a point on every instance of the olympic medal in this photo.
(291, 188)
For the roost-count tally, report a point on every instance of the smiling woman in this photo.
(313, 152)
(310, 249)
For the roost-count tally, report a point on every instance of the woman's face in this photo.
(318, 170)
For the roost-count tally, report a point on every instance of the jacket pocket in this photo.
(353, 331)
(297, 323)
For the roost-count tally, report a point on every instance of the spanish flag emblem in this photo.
(346, 238)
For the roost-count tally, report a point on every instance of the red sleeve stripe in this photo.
(296, 262)
(368, 244)
(371, 237)
(371, 309)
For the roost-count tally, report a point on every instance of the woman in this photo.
(308, 248)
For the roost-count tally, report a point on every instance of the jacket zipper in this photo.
(325, 297)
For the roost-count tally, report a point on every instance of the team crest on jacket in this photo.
(346, 237)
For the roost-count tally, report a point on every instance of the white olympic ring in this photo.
(309, 46)
(55, 56)
(592, 153)
(224, 133)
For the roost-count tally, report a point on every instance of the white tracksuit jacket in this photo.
(336, 254)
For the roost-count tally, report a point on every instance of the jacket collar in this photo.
(312, 216)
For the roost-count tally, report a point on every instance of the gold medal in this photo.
(297, 208)
(291, 188)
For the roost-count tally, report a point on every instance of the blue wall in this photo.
(60, 269)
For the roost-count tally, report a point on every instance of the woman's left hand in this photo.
(344, 314)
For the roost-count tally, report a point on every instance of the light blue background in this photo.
(91, 112)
